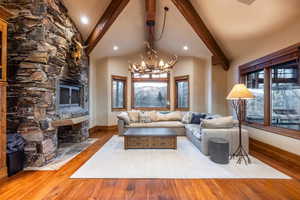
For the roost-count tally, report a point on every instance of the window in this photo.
(182, 93)
(286, 96)
(118, 93)
(275, 82)
(255, 107)
(150, 91)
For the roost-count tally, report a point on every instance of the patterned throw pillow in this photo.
(145, 117)
(186, 119)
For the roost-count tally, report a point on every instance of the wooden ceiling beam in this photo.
(108, 18)
(150, 20)
(190, 14)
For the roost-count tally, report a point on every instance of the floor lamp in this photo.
(238, 95)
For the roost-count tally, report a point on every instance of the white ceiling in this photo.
(93, 9)
(237, 27)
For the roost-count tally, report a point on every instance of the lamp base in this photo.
(241, 155)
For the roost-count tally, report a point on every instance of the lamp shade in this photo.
(240, 91)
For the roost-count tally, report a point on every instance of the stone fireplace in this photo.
(48, 85)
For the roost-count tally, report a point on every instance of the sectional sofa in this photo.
(197, 134)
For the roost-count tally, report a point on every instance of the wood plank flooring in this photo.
(42, 185)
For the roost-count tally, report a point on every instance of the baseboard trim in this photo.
(3, 174)
(103, 128)
(274, 153)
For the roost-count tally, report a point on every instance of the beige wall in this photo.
(219, 90)
(277, 41)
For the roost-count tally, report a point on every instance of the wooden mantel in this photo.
(70, 121)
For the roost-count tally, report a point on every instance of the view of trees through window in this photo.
(118, 93)
(255, 107)
(150, 94)
(182, 92)
(286, 96)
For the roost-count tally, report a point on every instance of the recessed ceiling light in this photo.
(84, 20)
(185, 48)
(115, 48)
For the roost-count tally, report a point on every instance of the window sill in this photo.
(118, 109)
(280, 131)
(182, 109)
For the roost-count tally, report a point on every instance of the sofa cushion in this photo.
(221, 122)
(124, 116)
(194, 129)
(164, 124)
(197, 118)
(134, 116)
(172, 116)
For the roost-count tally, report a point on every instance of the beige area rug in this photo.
(66, 152)
(187, 162)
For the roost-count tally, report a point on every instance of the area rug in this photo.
(187, 162)
(66, 152)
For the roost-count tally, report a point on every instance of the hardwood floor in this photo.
(57, 185)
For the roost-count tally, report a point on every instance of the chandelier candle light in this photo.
(238, 96)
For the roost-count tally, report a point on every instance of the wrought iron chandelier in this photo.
(151, 62)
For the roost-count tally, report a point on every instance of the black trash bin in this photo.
(15, 156)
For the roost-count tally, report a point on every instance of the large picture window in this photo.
(150, 91)
(286, 96)
(118, 93)
(275, 83)
(182, 93)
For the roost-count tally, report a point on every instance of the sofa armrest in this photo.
(121, 127)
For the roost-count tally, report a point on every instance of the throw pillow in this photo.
(124, 116)
(145, 117)
(221, 122)
(186, 119)
(153, 116)
(134, 116)
(197, 118)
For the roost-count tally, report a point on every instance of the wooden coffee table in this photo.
(150, 138)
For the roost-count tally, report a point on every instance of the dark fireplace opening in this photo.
(69, 94)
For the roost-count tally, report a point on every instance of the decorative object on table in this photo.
(218, 150)
(238, 96)
(151, 61)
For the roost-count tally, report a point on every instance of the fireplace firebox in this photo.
(70, 94)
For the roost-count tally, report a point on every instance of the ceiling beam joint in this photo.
(190, 14)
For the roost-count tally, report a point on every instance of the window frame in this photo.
(266, 63)
(177, 79)
(150, 79)
(120, 79)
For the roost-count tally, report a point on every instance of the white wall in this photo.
(277, 41)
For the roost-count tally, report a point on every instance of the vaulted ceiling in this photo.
(237, 28)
